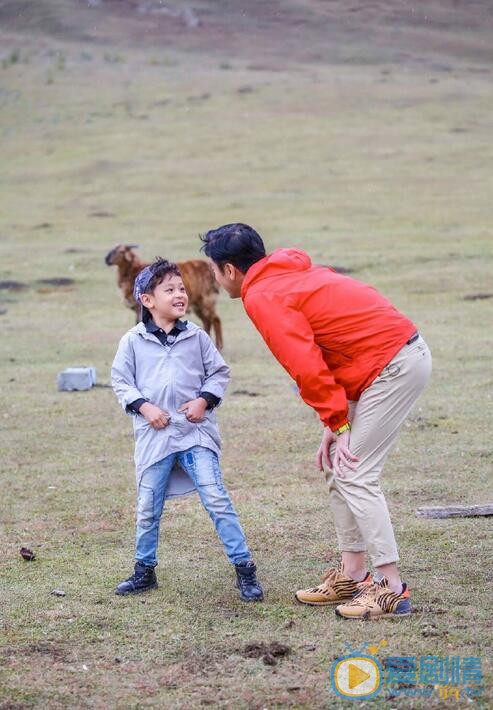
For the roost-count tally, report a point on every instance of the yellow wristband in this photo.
(343, 428)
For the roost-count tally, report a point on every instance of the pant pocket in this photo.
(145, 507)
(202, 465)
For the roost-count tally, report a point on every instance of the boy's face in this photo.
(169, 300)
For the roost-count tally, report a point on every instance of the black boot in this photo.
(247, 583)
(143, 578)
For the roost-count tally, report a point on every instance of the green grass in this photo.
(377, 167)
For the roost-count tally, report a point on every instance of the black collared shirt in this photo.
(164, 338)
(167, 339)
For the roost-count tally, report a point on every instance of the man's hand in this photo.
(194, 410)
(158, 418)
(342, 454)
(323, 453)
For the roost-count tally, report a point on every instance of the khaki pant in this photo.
(362, 518)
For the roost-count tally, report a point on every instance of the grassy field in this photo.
(372, 151)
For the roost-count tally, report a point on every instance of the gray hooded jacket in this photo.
(168, 376)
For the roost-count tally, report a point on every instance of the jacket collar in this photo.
(186, 330)
(151, 327)
(280, 261)
(251, 275)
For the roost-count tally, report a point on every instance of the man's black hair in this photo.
(236, 244)
(160, 269)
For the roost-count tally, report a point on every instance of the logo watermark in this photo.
(360, 675)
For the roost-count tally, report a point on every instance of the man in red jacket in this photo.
(361, 365)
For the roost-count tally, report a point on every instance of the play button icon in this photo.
(356, 676)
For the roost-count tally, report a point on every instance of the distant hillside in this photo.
(276, 31)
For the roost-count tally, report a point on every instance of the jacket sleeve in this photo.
(289, 337)
(216, 371)
(123, 376)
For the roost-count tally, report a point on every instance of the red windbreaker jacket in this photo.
(333, 334)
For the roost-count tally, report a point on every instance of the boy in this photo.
(169, 376)
(361, 365)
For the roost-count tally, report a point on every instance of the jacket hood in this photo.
(281, 260)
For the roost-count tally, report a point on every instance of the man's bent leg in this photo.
(377, 419)
(350, 540)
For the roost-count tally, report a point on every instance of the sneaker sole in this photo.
(368, 617)
(339, 601)
(136, 591)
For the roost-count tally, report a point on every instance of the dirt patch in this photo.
(343, 270)
(478, 296)
(47, 650)
(102, 214)
(57, 653)
(246, 393)
(56, 281)
(268, 652)
(12, 286)
(43, 225)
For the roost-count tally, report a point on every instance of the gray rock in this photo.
(76, 378)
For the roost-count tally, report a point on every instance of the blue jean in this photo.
(202, 465)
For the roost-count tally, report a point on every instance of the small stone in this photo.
(279, 649)
(58, 593)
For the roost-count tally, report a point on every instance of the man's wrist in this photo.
(343, 428)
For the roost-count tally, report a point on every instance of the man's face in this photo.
(229, 277)
(169, 300)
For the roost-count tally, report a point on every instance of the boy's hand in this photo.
(158, 418)
(194, 410)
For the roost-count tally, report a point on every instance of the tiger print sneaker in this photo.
(336, 587)
(376, 601)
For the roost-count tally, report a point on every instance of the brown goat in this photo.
(198, 279)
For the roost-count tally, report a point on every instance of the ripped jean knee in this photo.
(145, 507)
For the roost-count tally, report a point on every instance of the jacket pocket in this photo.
(179, 425)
